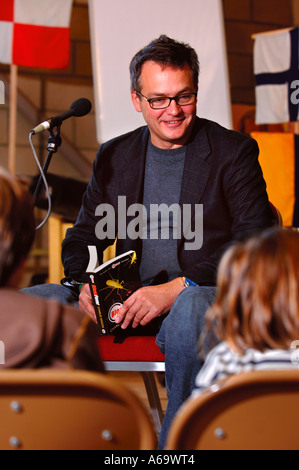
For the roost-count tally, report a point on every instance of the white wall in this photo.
(119, 28)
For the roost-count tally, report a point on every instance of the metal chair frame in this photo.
(147, 371)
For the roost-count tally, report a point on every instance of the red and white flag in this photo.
(35, 33)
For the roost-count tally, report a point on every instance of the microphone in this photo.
(78, 108)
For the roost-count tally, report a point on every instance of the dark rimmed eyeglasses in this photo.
(164, 101)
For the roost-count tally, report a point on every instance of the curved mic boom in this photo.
(78, 108)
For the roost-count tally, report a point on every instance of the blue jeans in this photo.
(61, 293)
(178, 340)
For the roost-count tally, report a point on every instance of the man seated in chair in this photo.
(209, 187)
(34, 332)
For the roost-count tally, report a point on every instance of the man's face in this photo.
(169, 127)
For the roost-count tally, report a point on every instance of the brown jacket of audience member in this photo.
(39, 333)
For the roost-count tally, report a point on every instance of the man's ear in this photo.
(136, 101)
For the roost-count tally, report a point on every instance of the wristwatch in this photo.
(188, 283)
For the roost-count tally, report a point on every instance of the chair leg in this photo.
(154, 399)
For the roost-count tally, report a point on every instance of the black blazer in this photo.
(221, 172)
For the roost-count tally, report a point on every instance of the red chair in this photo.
(137, 354)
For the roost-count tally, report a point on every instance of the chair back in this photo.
(70, 410)
(251, 411)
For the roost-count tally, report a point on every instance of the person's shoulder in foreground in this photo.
(40, 333)
(35, 332)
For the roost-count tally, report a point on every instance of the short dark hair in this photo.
(167, 52)
(17, 224)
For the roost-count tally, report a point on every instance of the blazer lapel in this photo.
(197, 166)
(132, 172)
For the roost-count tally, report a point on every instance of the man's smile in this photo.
(173, 123)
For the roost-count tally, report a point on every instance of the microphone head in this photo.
(81, 107)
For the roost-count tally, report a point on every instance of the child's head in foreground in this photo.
(257, 302)
(17, 226)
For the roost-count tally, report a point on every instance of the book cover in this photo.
(111, 284)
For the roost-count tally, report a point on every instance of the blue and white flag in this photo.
(276, 69)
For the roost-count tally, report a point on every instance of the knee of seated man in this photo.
(185, 322)
(61, 293)
(192, 303)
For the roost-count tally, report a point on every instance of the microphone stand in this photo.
(54, 143)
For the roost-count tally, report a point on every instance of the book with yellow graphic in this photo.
(111, 284)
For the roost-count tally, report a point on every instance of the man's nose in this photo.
(174, 108)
